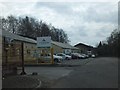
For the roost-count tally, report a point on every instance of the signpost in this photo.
(22, 54)
(44, 43)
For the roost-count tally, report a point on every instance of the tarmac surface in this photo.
(99, 73)
(84, 73)
(45, 76)
(48, 74)
(20, 81)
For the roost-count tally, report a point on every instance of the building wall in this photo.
(75, 50)
(0, 50)
(84, 49)
(11, 57)
(67, 51)
(71, 51)
(57, 49)
(11, 53)
(14, 52)
(30, 53)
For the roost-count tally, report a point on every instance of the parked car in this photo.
(64, 56)
(77, 56)
(93, 56)
(85, 55)
(81, 56)
(74, 56)
(55, 57)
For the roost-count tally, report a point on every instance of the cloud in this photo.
(60, 7)
(98, 12)
(83, 21)
(16, 8)
(90, 33)
(59, 1)
(88, 11)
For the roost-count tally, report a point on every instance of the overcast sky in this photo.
(84, 22)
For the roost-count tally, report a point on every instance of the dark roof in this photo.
(81, 44)
(17, 37)
(25, 39)
(64, 45)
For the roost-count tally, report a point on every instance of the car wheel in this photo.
(66, 58)
(55, 60)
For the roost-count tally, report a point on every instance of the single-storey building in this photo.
(83, 48)
(12, 48)
(13, 44)
(63, 48)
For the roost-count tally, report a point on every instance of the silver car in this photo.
(47, 57)
(64, 56)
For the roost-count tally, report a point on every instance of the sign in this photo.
(43, 42)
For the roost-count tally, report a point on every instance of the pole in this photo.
(22, 54)
(52, 56)
(6, 51)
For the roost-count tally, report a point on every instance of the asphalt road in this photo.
(50, 74)
(98, 73)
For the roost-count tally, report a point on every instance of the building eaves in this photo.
(17, 37)
(64, 45)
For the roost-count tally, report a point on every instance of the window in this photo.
(28, 51)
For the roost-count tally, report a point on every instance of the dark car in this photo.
(77, 56)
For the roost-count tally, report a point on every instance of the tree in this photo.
(112, 46)
(3, 24)
(114, 42)
(99, 48)
(45, 31)
(32, 28)
(26, 27)
(12, 24)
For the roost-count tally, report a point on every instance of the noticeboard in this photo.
(43, 42)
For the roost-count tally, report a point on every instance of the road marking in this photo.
(38, 86)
